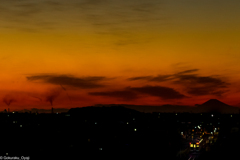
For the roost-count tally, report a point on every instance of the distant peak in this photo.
(213, 102)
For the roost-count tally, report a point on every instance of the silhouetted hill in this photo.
(114, 112)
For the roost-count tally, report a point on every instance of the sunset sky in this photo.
(78, 53)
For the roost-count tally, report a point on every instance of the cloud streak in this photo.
(131, 93)
(126, 94)
(192, 82)
(84, 83)
(199, 85)
(159, 91)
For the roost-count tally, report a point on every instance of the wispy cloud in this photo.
(121, 20)
(131, 93)
(159, 91)
(126, 94)
(84, 82)
(199, 85)
(193, 83)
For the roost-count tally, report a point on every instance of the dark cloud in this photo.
(85, 82)
(198, 85)
(159, 78)
(140, 78)
(123, 95)
(205, 90)
(194, 79)
(187, 71)
(131, 93)
(193, 83)
(159, 91)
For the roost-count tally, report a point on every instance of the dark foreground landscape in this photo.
(112, 132)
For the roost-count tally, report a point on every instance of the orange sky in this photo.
(102, 52)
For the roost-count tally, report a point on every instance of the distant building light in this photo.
(95, 122)
(6, 153)
(8, 115)
(127, 123)
(20, 125)
(12, 112)
(212, 115)
(211, 133)
(135, 129)
(176, 114)
(134, 119)
(181, 133)
(57, 113)
(100, 149)
(210, 123)
(13, 121)
(158, 113)
(231, 115)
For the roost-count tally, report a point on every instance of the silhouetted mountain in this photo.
(214, 105)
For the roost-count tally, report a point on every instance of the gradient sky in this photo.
(83, 52)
